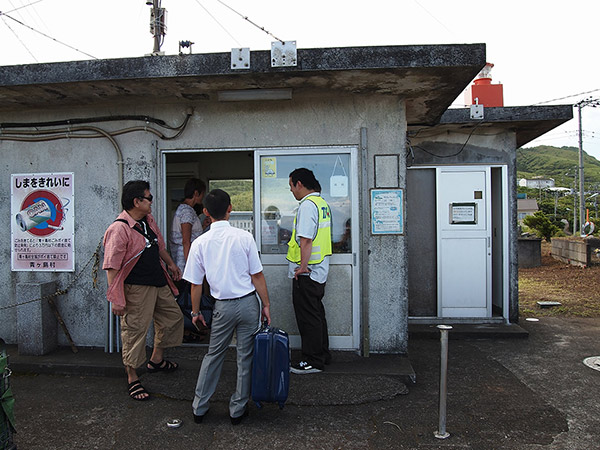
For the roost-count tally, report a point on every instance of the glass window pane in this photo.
(278, 205)
(241, 193)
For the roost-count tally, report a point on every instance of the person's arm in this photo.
(110, 276)
(186, 239)
(196, 297)
(305, 252)
(175, 272)
(260, 284)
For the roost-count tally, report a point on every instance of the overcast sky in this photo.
(544, 51)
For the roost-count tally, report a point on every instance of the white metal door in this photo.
(274, 211)
(464, 241)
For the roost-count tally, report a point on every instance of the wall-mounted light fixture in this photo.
(242, 95)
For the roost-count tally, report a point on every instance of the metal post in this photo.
(441, 432)
(581, 190)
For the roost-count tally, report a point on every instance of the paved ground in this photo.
(502, 393)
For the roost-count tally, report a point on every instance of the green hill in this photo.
(556, 163)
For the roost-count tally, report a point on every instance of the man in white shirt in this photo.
(229, 259)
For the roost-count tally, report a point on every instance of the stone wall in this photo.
(577, 251)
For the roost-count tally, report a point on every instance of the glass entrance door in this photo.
(274, 211)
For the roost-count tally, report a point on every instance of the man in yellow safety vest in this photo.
(308, 256)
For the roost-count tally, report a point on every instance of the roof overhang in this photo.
(428, 77)
(528, 122)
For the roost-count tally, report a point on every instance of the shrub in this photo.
(543, 227)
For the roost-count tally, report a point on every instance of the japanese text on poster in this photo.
(42, 225)
(386, 211)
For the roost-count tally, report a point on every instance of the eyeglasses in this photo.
(149, 198)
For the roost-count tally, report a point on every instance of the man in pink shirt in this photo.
(140, 287)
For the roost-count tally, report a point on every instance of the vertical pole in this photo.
(581, 191)
(157, 27)
(441, 432)
(575, 203)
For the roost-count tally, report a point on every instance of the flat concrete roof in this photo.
(429, 77)
(529, 122)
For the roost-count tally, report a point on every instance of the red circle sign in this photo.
(56, 212)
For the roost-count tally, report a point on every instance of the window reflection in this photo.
(278, 205)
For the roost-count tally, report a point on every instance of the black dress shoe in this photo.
(238, 420)
(198, 419)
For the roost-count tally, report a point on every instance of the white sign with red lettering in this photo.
(42, 226)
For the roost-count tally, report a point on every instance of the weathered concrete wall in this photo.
(306, 120)
(577, 251)
(530, 253)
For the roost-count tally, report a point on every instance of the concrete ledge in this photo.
(469, 331)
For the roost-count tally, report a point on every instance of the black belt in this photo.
(237, 298)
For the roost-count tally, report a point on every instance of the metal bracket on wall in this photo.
(284, 54)
(240, 58)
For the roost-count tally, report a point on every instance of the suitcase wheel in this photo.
(259, 405)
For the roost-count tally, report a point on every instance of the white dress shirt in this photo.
(227, 256)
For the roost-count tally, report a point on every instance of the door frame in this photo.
(337, 342)
(352, 259)
(505, 232)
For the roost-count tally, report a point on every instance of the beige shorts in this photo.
(142, 305)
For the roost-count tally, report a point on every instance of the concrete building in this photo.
(526, 207)
(537, 182)
(423, 198)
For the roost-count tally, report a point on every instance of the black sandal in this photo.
(163, 366)
(135, 388)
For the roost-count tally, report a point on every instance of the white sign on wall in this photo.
(42, 223)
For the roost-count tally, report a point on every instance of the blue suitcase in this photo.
(271, 367)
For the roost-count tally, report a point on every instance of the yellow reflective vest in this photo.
(321, 246)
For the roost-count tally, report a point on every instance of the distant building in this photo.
(526, 207)
(536, 182)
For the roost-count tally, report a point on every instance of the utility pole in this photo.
(158, 25)
(580, 105)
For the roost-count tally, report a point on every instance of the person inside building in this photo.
(186, 227)
(229, 259)
(140, 288)
(308, 255)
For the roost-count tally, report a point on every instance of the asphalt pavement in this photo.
(512, 392)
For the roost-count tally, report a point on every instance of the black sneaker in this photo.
(304, 367)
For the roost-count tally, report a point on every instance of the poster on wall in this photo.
(386, 211)
(42, 223)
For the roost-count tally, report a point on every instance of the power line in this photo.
(45, 35)
(568, 96)
(248, 20)
(218, 23)
(434, 18)
(20, 7)
(18, 38)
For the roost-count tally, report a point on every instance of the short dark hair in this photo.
(132, 190)
(192, 185)
(307, 177)
(216, 203)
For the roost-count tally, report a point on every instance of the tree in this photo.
(543, 227)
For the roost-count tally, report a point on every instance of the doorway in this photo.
(457, 219)
(270, 218)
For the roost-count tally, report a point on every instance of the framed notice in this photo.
(42, 223)
(463, 213)
(387, 208)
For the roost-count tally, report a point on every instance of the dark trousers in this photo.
(310, 317)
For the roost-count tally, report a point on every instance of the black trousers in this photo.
(307, 296)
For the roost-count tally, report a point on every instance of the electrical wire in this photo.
(19, 39)
(49, 37)
(248, 20)
(568, 96)
(411, 147)
(20, 7)
(218, 23)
